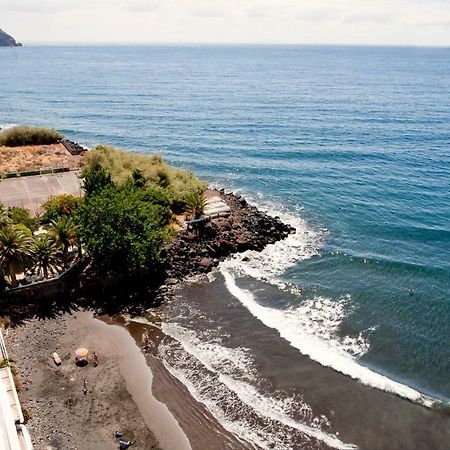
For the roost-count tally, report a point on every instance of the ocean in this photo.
(317, 334)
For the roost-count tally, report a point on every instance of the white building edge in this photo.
(13, 433)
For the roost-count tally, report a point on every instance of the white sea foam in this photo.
(227, 388)
(5, 126)
(311, 328)
(274, 259)
(212, 354)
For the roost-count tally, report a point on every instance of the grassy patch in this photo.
(180, 184)
(25, 135)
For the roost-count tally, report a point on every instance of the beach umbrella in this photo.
(81, 352)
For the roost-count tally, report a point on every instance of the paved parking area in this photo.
(31, 192)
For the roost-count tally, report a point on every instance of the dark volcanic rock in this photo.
(206, 263)
(8, 41)
(246, 228)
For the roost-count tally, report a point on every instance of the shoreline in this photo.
(53, 396)
(61, 416)
(283, 376)
(130, 390)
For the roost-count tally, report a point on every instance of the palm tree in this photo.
(64, 231)
(5, 218)
(15, 251)
(47, 256)
(196, 203)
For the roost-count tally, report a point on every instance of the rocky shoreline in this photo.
(60, 413)
(198, 251)
(191, 253)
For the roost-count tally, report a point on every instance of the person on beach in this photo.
(95, 360)
(85, 389)
(123, 444)
(145, 342)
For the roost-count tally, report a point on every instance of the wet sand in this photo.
(367, 417)
(202, 429)
(119, 390)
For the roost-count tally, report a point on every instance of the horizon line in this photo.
(223, 44)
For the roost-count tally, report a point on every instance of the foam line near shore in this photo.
(212, 372)
(289, 325)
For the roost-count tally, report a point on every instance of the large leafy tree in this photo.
(122, 230)
(15, 251)
(47, 256)
(96, 179)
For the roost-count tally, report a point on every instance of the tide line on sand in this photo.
(139, 379)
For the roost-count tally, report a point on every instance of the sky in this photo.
(360, 22)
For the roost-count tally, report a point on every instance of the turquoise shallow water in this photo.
(353, 140)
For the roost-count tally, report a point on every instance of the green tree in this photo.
(61, 206)
(122, 231)
(64, 232)
(95, 180)
(15, 251)
(22, 216)
(47, 256)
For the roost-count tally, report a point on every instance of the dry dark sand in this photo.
(119, 393)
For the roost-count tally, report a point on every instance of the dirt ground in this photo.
(62, 416)
(36, 157)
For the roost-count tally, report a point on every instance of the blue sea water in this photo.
(354, 140)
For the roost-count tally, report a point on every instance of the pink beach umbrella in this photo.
(81, 352)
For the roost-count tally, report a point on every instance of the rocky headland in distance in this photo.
(8, 41)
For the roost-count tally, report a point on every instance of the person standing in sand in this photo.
(95, 360)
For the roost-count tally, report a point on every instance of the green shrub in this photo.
(123, 166)
(22, 216)
(24, 135)
(23, 229)
(61, 206)
(196, 203)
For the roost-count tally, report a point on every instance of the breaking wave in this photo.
(223, 379)
(312, 328)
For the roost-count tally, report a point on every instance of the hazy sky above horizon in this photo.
(379, 22)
